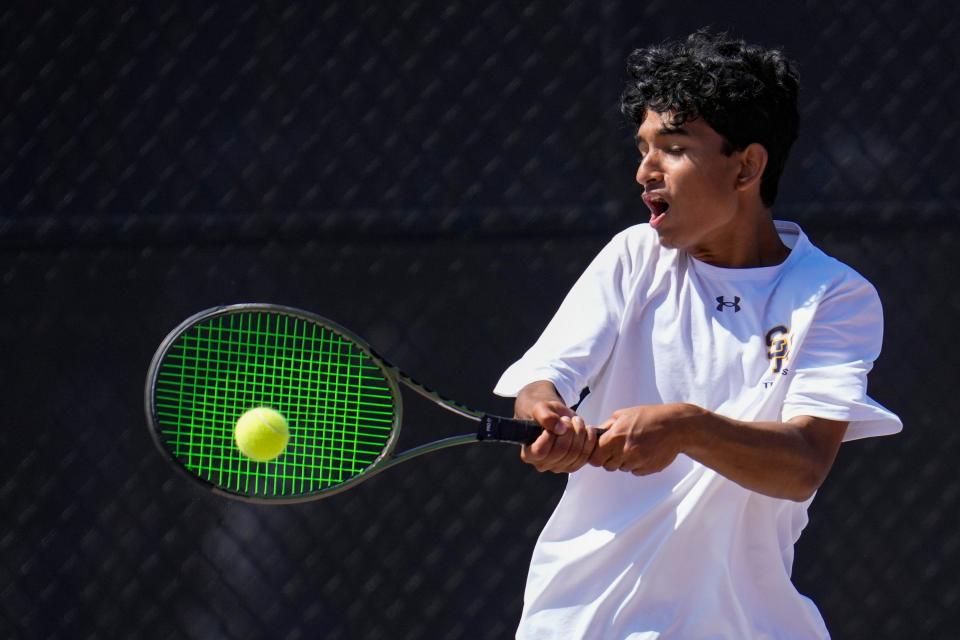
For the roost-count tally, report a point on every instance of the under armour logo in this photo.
(721, 303)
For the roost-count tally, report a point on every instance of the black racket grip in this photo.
(497, 429)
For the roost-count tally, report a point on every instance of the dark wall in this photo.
(433, 176)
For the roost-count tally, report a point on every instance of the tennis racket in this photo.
(340, 398)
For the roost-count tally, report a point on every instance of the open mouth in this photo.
(658, 208)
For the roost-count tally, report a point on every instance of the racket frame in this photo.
(491, 427)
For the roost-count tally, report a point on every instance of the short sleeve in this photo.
(580, 337)
(830, 372)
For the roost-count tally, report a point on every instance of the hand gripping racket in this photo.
(340, 398)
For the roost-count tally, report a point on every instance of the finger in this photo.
(544, 415)
(611, 447)
(604, 439)
(602, 452)
(561, 447)
(605, 425)
(598, 456)
(539, 450)
(551, 417)
(563, 425)
(649, 467)
(526, 455)
(578, 436)
(589, 443)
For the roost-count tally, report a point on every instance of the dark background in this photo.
(433, 176)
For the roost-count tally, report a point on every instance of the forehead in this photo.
(661, 124)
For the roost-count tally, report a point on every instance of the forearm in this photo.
(780, 459)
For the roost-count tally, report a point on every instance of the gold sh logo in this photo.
(778, 343)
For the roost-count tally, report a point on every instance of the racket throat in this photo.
(500, 429)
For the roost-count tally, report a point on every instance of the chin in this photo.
(667, 241)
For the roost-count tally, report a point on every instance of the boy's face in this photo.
(690, 185)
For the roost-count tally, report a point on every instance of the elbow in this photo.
(800, 496)
(805, 485)
(822, 438)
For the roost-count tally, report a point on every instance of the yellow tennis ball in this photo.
(262, 434)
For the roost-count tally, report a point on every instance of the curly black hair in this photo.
(746, 93)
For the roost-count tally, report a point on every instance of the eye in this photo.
(675, 150)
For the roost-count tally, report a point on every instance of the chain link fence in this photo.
(433, 176)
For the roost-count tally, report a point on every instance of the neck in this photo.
(754, 242)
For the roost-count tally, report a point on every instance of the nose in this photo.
(649, 170)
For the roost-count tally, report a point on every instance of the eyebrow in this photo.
(664, 131)
(672, 131)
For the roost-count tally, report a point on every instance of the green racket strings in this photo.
(338, 404)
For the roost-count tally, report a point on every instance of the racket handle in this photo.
(498, 429)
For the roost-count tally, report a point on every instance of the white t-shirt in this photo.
(686, 553)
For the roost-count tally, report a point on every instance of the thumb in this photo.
(550, 419)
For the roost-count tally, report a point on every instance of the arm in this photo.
(566, 442)
(780, 459)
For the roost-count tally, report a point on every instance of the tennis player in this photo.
(725, 356)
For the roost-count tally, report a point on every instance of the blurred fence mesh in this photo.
(434, 176)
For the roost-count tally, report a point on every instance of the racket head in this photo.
(341, 401)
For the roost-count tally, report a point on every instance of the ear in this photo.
(753, 160)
